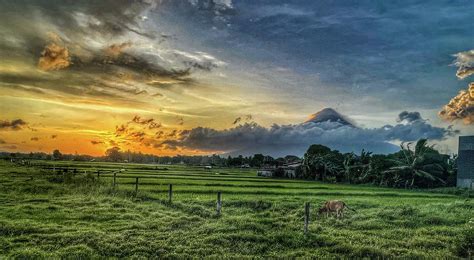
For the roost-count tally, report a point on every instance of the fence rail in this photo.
(113, 173)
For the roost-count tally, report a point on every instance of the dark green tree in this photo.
(319, 162)
(257, 160)
(57, 155)
(415, 164)
(113, 154)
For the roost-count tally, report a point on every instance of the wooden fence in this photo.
(113, 174)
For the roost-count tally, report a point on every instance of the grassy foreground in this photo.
(44, 214)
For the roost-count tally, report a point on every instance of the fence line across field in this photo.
(113, 174)
(307, 205)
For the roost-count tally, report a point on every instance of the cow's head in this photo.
(322, 210)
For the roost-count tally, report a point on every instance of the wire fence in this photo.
(114, 175)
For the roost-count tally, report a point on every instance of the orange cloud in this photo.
(54, 57)
(461, 107)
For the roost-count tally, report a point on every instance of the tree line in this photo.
(416, 165)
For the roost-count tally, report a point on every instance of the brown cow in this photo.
(334, 206)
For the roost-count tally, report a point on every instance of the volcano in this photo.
(331, 115)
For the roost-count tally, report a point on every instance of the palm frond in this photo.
(421, 147)
(422, 173)
(403, 167)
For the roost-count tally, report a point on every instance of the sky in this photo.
(174, 77)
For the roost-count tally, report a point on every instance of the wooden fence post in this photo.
(136, 185)
(115, 175)
(170, 193)
(219, 203)
(306, 217)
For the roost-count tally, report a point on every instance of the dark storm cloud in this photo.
(71, 20)
(294, 139)
(409, 116)
(16, 124)
(84, 46)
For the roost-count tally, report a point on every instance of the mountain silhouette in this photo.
(329, 114)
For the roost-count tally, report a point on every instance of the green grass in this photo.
(44, 215)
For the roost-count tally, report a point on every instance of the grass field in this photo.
(44, 214)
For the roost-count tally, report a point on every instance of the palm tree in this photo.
(348, 166)
(412, 165)
(321, 164)
(353, 166)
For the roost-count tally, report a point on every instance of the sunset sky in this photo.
(227, 76)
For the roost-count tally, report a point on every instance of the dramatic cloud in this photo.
(16, 124)
(294, 139)
(465, 63)
(461, 107)
(139, 131)
(94, 142)
(54, 57)
(34, 139)
(73, 44)
(2, 141)
(54, 136)
(210, 61)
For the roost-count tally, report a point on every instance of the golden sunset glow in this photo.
(75, 78)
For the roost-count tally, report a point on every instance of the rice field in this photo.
(47, 212)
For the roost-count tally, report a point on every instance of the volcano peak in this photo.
(328, 114)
